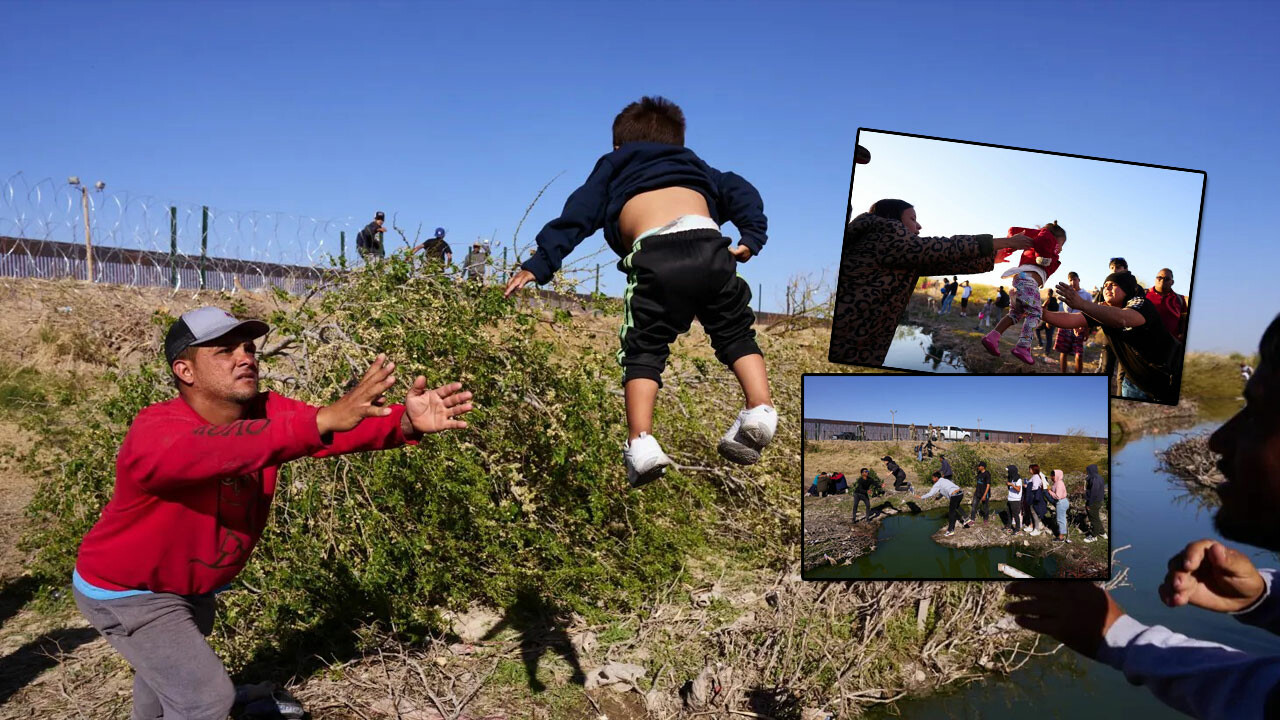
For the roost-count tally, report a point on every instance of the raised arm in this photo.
(583, 214)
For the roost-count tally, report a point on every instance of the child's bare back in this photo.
(656, 208)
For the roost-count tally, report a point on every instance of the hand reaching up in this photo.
(362, 401)
(431, 411)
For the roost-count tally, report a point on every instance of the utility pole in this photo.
(979, 429)
(74, 181)
(1033, 434)
(893, 424)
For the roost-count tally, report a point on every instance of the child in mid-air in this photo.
(661, 208)
(1035, 266)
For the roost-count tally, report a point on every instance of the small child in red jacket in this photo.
(1034, 268)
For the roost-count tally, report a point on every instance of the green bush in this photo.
(963, 457)
(531, 495)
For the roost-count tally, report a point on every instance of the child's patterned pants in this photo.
(1026, 308)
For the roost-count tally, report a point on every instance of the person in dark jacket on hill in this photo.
(946, 466)
(1094, 493)
(369, 240)
(899, 475)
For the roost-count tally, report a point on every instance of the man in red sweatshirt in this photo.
(194, 481)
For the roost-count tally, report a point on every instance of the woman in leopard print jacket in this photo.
(884, 256)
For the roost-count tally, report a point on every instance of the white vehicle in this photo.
(951, 432)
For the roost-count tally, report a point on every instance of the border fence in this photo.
(818, 429)
(60, 230)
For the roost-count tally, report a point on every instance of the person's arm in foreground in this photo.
(1212, 576)
(1105, 314)
(1202, 679)
(583, 214)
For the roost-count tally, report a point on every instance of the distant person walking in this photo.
(965, 292)
(369, 240)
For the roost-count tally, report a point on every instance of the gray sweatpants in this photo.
(177, 676)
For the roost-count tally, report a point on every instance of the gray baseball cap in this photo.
(205, 325)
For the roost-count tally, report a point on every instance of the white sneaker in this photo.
(737, 446)
(1090, 539)
(1034, 532)
(758, 425)
(645, 460)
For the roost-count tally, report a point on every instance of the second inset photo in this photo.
(955, 477)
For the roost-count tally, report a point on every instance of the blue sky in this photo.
(1057, 403)
(456, 114)
(1147, 215)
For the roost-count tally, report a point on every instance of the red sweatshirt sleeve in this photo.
(170, 447)
(380, 433)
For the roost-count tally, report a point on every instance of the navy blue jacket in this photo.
(630, 170)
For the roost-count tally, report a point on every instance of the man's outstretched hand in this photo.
(517, 281)
(1076, 614)
(1069, 296)
(431, 411)
(1210, 575)
(362, 401)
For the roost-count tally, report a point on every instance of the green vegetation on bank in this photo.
(532, 497)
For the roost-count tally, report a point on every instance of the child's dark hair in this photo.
(1057, 230)
(937, 474)
(651, 119)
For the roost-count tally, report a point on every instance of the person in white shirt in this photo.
(965, 291)
(943, 486)
(1071, 342)
(1014, 483)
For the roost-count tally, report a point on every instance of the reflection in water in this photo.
(914, 349)
(906, 548)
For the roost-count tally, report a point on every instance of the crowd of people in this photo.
(436, 250)
(1144, 328)
(1029, 500)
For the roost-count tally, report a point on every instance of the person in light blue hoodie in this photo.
(1202, 679)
